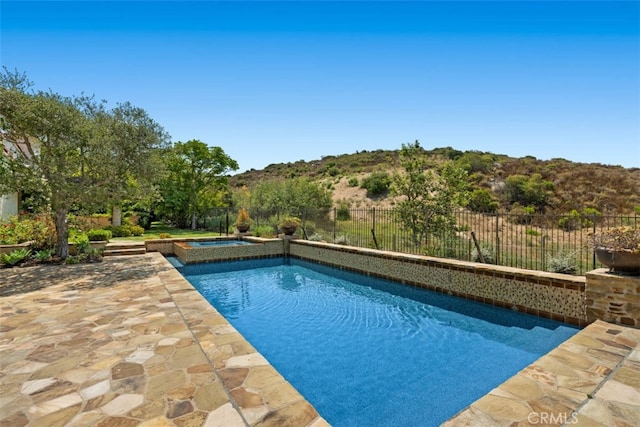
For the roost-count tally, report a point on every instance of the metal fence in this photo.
(537, 241)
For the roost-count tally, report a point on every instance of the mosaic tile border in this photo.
(549, 295)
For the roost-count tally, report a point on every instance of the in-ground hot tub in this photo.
(194, 251)
(218, 243)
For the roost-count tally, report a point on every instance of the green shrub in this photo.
(81, 243)
(38, 229)
(97, 235)
(376, 184)
(15, 257)
(562, 262)
(121, 231)
(44, 254)
(315, 237)
(353, 182)
(136, 230)
(522, 214)
(264, 231)
(487, 254)
(571, 221)
(482, 201)
(342, 239)
(343, 213)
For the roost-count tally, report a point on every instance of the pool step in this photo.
(124, 248)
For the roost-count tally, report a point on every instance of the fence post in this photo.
(497, 238)
(543, 251)
(335, 222)
(594, 249)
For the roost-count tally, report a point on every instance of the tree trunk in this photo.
(193, 221)
(116, 216)
(62, 232)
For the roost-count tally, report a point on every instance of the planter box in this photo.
(101, 245)
(7, 249)
(620, 261)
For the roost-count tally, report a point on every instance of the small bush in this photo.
(487, 254)
(483, 201)
(38, 229)
(376, 184)
(44, 255)
(343, 213)
(562, 262)
(136, 230)
(315, 237)
(522, 214)
(164, 235)
(98, 235)
(81, 243)
(353, 182)
(15, 257)
(264, 231)
(342, 239)
(121, 231)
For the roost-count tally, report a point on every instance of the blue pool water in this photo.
(218, 243)
(370, 352)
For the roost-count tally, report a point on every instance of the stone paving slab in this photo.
(592, 379)
(129, 342)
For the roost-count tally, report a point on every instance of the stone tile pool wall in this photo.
(554, 296)
(261, 248)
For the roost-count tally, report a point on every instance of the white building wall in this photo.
(8, 206)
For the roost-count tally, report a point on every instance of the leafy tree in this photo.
(528, 191)
(429, 197)
(134, 160)
(49, 141)
(60, 147)
(292, 196)
(196, 180)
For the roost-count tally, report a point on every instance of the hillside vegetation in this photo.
(567, 185)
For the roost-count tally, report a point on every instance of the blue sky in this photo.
(274, 82)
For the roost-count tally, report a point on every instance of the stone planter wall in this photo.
(613, 298)
(7, 249)
(100, 245)
(164, 246)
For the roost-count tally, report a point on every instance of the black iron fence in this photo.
(559, 243)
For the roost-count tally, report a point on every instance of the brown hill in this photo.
(609, 189)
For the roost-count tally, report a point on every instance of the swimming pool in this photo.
(366, 351)
(210, 243)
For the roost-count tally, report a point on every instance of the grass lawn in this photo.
(158, 228)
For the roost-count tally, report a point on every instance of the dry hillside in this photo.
(610, 189)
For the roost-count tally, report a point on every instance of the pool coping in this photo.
(592, 378)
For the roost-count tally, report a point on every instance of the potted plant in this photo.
(618, 248)
(243, 221)
(289, 224)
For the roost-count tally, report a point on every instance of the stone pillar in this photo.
(613, 298)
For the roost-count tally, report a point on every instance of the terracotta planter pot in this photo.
(619, 261)
(242, 228)
(289, 230)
